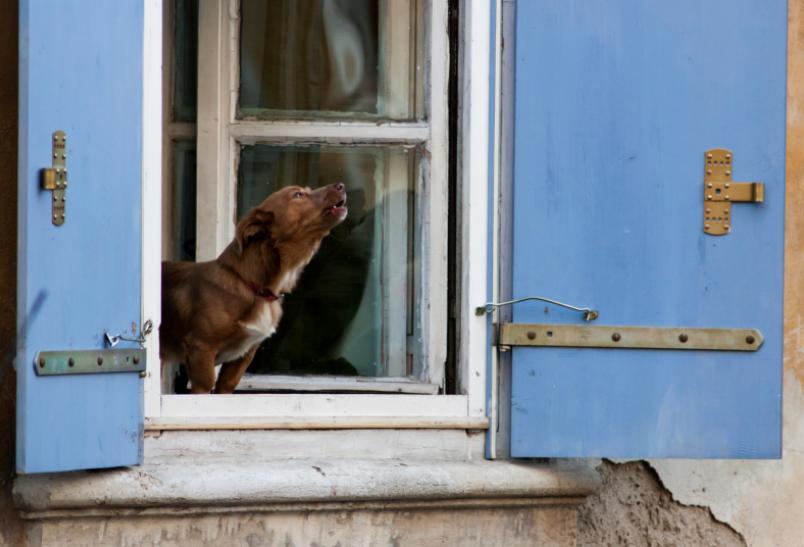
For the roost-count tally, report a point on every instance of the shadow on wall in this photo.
(11, 529)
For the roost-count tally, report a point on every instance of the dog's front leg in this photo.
(200, 363)
(232, 371)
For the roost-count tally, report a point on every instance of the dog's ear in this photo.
(255, 225)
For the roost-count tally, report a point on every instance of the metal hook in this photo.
(113, 339)
(588, 313)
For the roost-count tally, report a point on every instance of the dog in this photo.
(218, 312)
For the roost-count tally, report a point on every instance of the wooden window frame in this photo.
(220, 131)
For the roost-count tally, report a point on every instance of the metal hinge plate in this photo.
(584, 336)
(720, 192)
(56, 363)
(55, 178)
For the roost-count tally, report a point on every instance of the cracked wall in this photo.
(634, 508)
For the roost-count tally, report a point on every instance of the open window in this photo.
(259, 95)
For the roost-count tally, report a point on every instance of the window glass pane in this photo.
(308, 58)
(182, 245)
(351, 310)
(185, 60)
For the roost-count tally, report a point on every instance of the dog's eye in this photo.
(297, 195)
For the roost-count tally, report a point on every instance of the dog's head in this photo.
(294, 214)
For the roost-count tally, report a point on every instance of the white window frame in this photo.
(466, 410)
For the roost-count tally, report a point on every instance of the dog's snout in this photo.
(340, 187)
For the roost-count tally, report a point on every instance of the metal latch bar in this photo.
(55, 363)
(588, 313)
(583, 336)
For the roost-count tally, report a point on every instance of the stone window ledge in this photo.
(185, 487)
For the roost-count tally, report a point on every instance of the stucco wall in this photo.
(10, 526)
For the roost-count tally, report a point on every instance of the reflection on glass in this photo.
(308, 57)
(349, 313)
(185, 60)
(182, 246)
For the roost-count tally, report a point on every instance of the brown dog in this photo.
(219, 311)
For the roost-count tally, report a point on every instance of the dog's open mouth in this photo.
(337, 209)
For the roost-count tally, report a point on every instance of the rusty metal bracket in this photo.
(720, 192)
(583, 336)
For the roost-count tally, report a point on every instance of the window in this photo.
(264, 94)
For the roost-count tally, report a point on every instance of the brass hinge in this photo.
(720, 192)
(584, 336)
(57, 363)
(55, 178)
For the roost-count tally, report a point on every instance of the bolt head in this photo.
(616, 337)
(682, 338)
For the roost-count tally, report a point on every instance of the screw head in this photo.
(100, 360)
(615, 337)
(750, 339)
(137, 357)
(41, 362)
(682, 338)
(71, 362)
(709, 155)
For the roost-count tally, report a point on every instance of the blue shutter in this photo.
(616, 103)
(81, 72)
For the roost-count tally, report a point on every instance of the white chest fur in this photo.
(259, 327)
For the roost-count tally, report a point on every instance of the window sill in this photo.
(181, 487)
(305, 410)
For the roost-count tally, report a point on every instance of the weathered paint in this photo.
(615, 105)
(81, 72)
(763, 500)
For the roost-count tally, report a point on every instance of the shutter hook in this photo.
(114, 339)
(588, 313)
